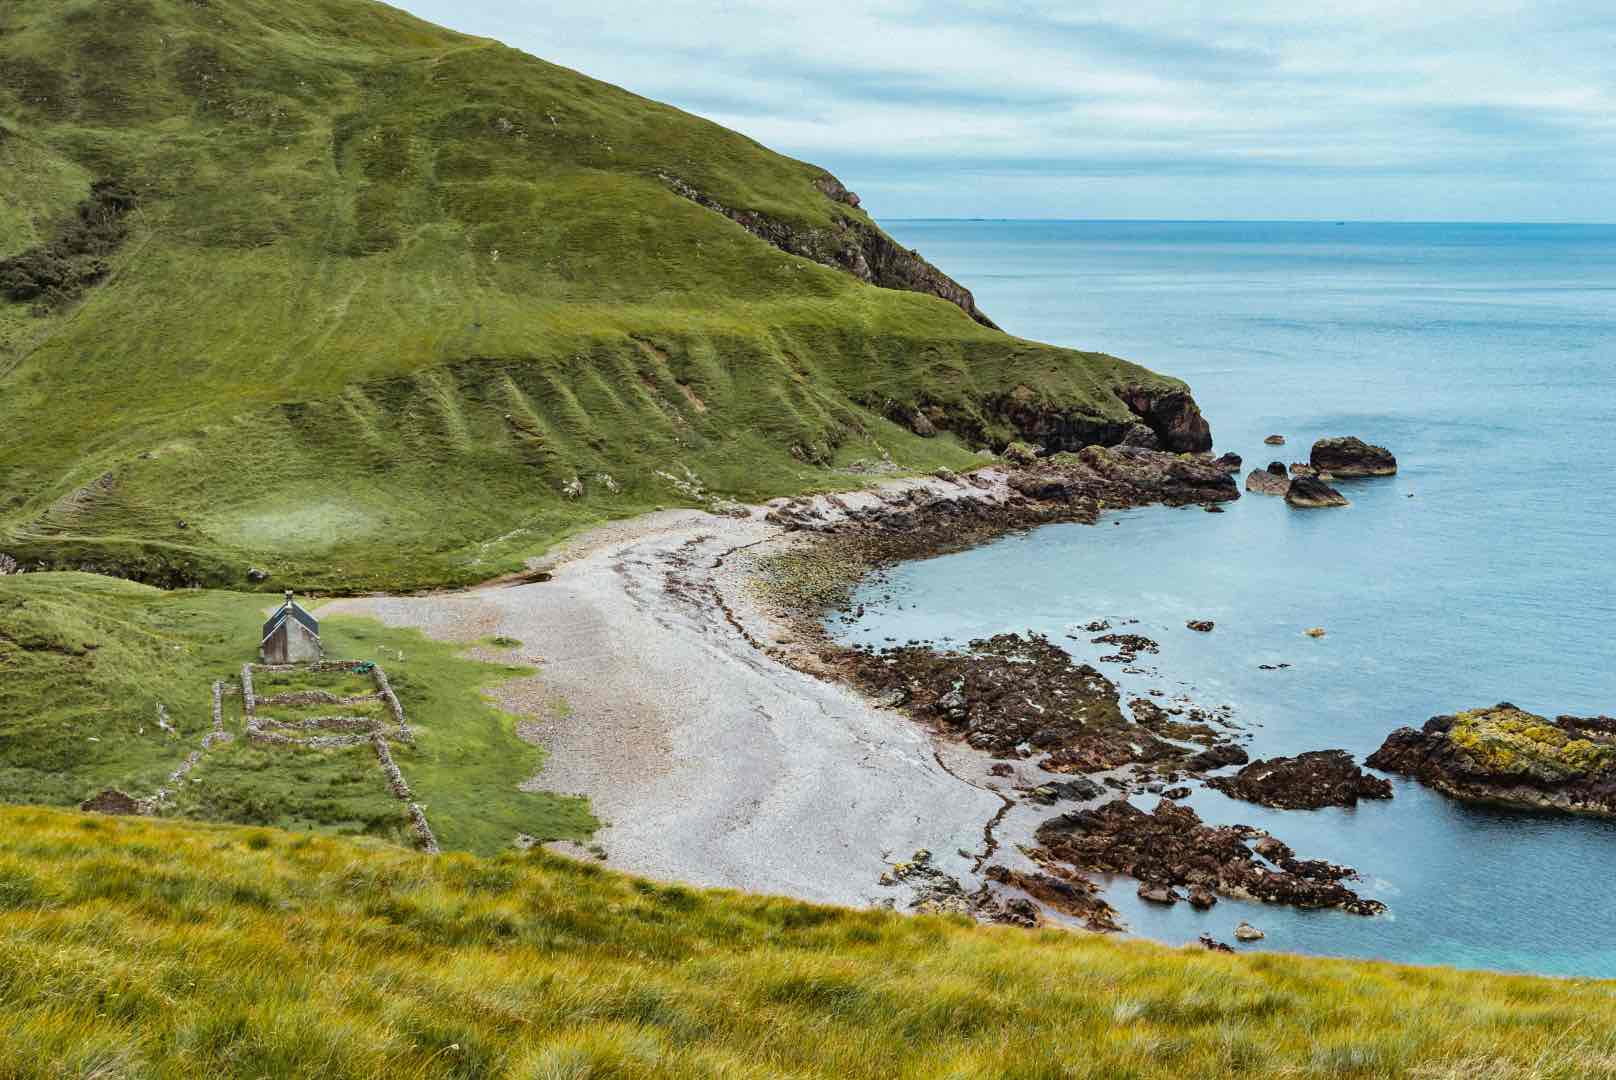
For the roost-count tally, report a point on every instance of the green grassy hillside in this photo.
(86, 661)
(132, 948)
(386, 291)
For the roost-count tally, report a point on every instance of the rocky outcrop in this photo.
(1508, 756)
(1304, 782)
(848, 244)
(1172, 414)
(1270, 481)
(113, 801)
(1349, 456)
(1309, 492)
(1172, 848)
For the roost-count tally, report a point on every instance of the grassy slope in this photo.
(391, 288)
(132, 948)
(85, 660)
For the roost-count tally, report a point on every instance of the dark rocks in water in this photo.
(1202, 898)
(113, 801)
(1309, 492)
(1275, 440)
(1350, 456)
(1141, 436)
(1176, 793)
(1158, 894)
(1172, 414)
(1172, 847)
(1217, 757)
(1304, 782)
(1001, 768)
(1269, 481)
(1128, 646)
(1511, 757)
(1010, 695)
(1229, 462)
(1212, 944)
(1069, 894)
(1203, 626)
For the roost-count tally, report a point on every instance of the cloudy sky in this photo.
(1471, 110)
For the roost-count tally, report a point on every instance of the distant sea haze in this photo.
(1484, 356)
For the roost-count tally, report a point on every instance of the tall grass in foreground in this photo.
(133, 948)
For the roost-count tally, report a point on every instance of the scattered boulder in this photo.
(1020, 453)
(1304, 782)
(1246, 932)
(256, 575)
(1229, 462)
(1158, 894)
(1141, 436)
(1203, 626)
(1314, 631)
(1270, 481)
(1179, 792)
(1211, 944)
(1202, 897)
(1217, 757)
(1310, 493)
(1275, 440)
(1508, 756)
(1078, 789)
(1350, 456)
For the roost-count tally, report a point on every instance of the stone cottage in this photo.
(291, 636)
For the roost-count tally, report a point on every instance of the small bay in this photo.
(1484, 356)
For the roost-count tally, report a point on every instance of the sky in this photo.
(1386, 110)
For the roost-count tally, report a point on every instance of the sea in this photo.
(1484, 357)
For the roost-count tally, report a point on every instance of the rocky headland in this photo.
(1511, 757)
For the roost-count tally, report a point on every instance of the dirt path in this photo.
(710, 762)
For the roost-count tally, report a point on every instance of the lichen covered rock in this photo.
(1507, 755)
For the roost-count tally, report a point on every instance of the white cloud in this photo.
(1243, 108)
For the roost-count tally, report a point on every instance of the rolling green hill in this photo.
(316, 287)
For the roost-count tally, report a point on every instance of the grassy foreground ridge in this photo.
(136, 948)
(316, 287)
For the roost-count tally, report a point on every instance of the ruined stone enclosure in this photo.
(331, 705)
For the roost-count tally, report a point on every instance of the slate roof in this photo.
(294, 611)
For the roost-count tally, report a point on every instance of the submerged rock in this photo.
(1309, 492)
(1203, 626)
(1275, 440)
(1509, 756)
(1350, 456)
(1304, 782)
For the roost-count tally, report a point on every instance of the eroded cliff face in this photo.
(849, 245)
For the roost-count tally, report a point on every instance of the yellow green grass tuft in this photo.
(141, 948)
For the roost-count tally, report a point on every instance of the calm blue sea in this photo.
(1484, 356)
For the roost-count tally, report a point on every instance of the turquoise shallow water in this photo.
(1485, 358)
